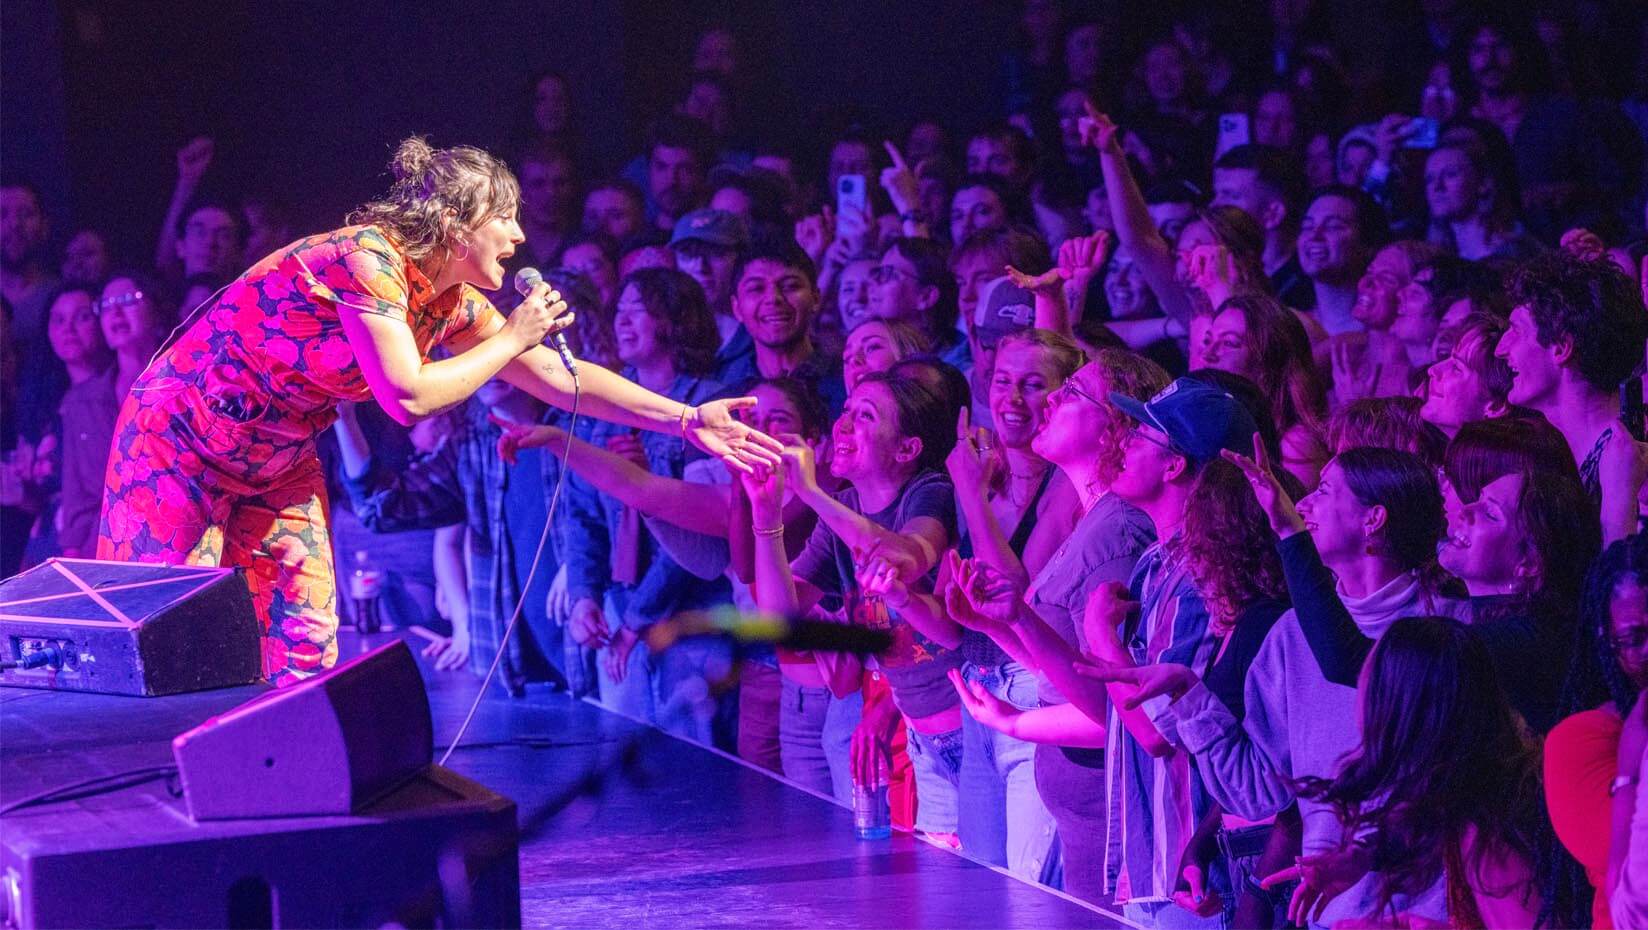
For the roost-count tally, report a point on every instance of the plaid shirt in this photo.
(464, 481)
(1155, 803)
(592, 524)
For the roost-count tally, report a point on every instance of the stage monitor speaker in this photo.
(127, 628)
(328, 745)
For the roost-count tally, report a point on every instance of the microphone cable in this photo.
(526, 587)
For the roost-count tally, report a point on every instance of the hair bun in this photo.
(412, 158)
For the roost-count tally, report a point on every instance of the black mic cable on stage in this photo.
(525, 284)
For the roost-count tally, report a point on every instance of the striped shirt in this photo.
(1155, 804)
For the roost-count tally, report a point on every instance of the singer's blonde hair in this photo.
(439, 194)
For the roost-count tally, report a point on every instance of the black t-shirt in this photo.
(1227, 679)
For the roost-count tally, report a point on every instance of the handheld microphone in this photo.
(525, 280)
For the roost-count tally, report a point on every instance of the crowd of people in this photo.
(1242, 453)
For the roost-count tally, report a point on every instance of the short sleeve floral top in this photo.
(272, 342)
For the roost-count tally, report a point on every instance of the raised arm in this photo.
(774, 588)
(192, 161)
(1336, 642)
(974, 464)
(1061, 292)
(1135, 230)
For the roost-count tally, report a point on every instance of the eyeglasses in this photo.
(886, 274)
(1069, 389)
(120, 300)
(1137, 432)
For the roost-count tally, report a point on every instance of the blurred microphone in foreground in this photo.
(797, 633)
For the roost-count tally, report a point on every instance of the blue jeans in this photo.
(935, 760)
(1002, 819)
(1166, 915)
(815, 734)
(1241, 849)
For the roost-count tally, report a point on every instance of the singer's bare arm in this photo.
(410, 389)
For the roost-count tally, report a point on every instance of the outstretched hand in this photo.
(983, 706)
(712, 428)
(1081, 258)
(1051, 280)
(1151, 681)
(518, 436)
(990, 593)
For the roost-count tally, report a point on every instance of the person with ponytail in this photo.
(214, 457)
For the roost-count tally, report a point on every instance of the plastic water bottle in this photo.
(872, 817)
(365, 590)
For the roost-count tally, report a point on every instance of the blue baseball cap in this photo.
(1198, 419)
(716, 227)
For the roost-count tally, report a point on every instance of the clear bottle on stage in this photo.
(366, 594)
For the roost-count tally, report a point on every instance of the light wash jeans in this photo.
(935, 759)
(815, 735)
(1002, 818)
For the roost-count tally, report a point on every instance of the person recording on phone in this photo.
(214, 459)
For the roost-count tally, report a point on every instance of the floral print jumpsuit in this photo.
(214, 459)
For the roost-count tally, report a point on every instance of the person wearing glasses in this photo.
(1082, 437)
(133, 316)
(1588, 771)
(913, 283)
(214, 457)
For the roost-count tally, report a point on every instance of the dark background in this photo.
(306, 100)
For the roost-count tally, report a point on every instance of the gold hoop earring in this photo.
(465, 256)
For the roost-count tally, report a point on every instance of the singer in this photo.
(214, 458)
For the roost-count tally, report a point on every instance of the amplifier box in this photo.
(127, 628)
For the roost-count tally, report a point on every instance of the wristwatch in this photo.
(1620, 783)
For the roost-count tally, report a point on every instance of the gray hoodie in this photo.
(1298, 724)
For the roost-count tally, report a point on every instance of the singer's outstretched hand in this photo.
(711, 427)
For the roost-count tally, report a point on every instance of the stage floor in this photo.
(662, 833)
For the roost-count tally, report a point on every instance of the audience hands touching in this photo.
(1150, 681)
